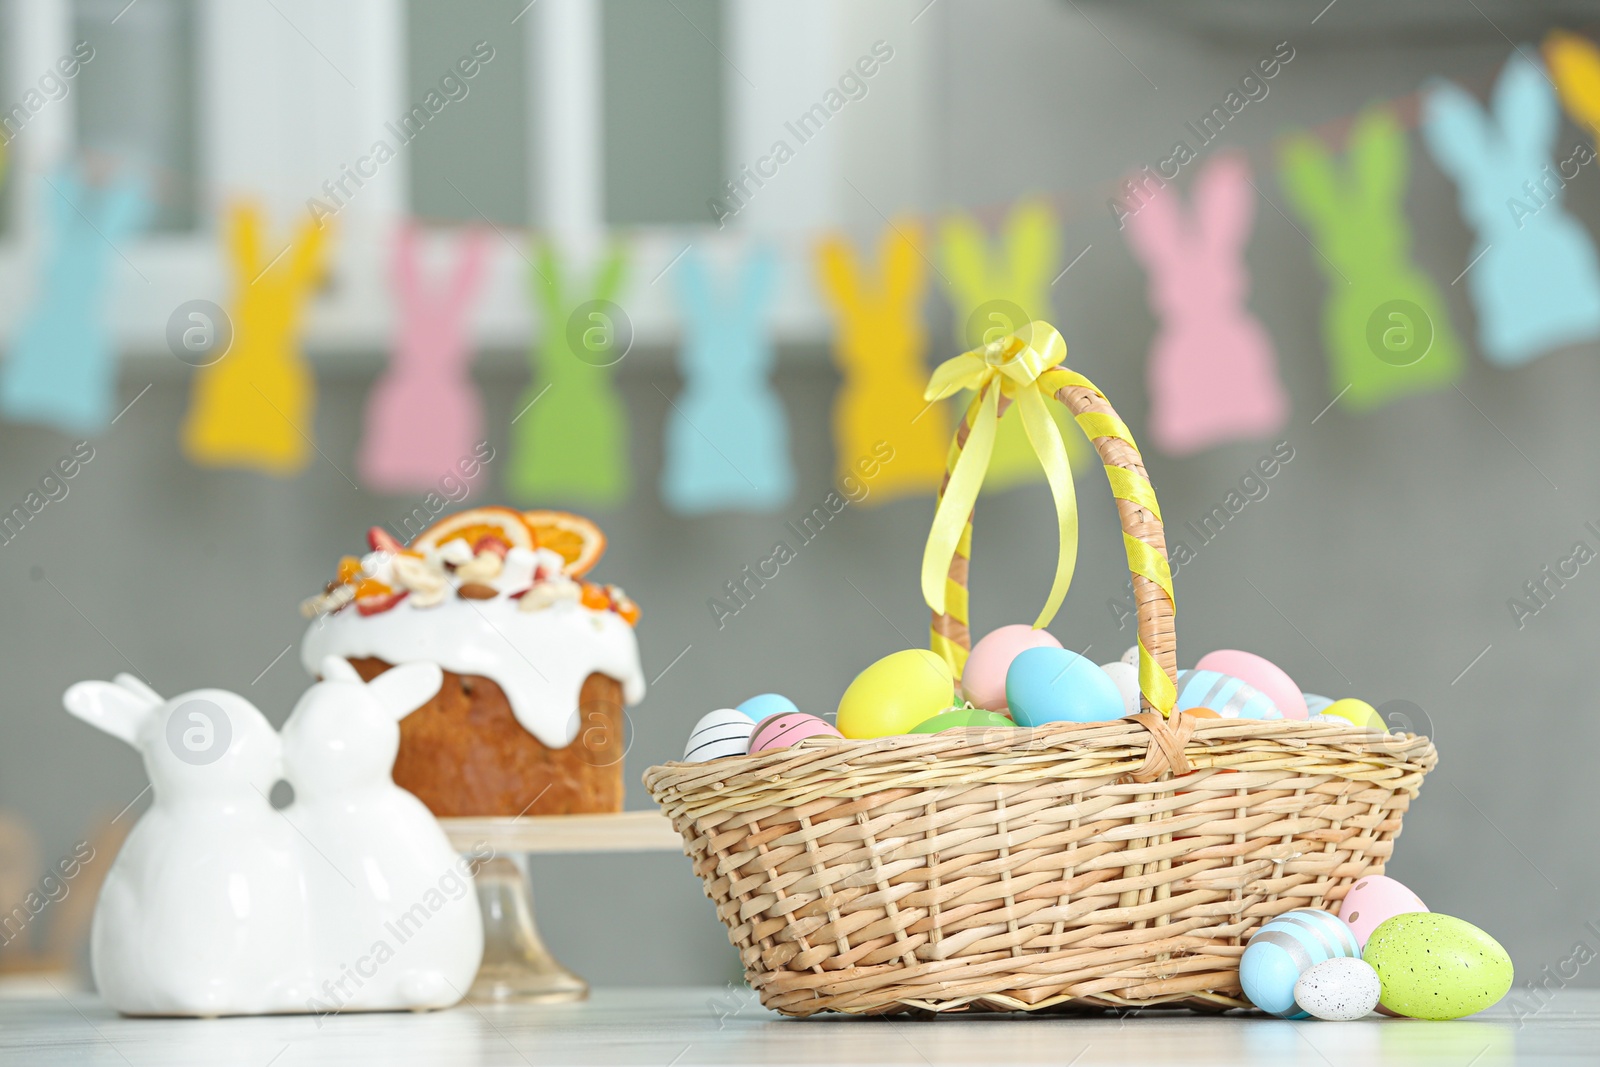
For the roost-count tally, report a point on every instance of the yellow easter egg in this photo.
(1356, 711)
(895, 694)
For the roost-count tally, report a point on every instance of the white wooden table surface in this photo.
(686, 1027)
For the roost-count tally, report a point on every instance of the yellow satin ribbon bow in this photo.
(1010, 367)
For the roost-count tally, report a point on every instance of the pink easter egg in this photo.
(1263, 674)
(1373, 900)
(983, 681)
(787, 728)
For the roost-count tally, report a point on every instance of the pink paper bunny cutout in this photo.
(1212, 374)
(425, 415)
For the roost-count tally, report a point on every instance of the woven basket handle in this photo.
(1141, 522)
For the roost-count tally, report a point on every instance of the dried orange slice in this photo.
(578, 540)
(474, 524)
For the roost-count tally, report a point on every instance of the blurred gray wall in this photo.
(1378, 566)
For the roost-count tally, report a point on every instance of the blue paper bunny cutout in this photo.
(61, 369)
(727, 438)
(1537, 286)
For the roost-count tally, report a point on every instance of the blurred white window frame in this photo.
(291, 90)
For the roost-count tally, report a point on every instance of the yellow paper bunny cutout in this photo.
(1574, 64)
(998, 294)
(253, 407)
(880, 346)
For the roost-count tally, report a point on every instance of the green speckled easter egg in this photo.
(1435, 966)
(952, 720)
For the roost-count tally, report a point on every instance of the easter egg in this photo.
(1316, 705)
(1229, 697)
(1357, 711)
(1260, 674)
(1201, 713)
(724, 732)
(1131, 657)
(761, 705)
(1374, 900)
(1126, 678)
(896, 693)
(1057, 685)
(983, 680)
(963, 717)
(1437, 966)
(1339, 990)
(788, 728)
(1282, 950)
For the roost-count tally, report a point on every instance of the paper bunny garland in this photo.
(1533, 277)
(573, 444)
(350, 899)
(996, 292)
(253, 406)
(424, 415)
(880, 347)
(727, 437)
(1385, 326)
(61, 369)
(1212, 372)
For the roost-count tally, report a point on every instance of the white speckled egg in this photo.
(1339, 990)
(724, 732)
(1131, 657)
(1127, 678)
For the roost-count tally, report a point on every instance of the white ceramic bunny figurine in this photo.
(203, 911)
(395, 920)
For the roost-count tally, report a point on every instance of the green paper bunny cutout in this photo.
(997, 294)
(1385, 325)
(570, 438)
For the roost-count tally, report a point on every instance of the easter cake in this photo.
(538, 663)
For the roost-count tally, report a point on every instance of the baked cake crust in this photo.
(464, 753)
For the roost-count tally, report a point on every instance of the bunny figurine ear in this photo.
(118, 710)
(338, 669)
(402, 690)
(138, 688)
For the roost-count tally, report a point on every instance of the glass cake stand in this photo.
(517, 968)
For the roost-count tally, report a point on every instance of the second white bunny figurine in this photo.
(396, 920)
(203, 910)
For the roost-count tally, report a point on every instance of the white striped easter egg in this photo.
(724, 732)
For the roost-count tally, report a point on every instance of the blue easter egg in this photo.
(1055, 685)
(1225, 695)
(767, 704)
(1287, 947)
(1316, 705)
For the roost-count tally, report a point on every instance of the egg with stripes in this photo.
(724, 732)
(788, 728)
(1286, 948)
(1229, 697)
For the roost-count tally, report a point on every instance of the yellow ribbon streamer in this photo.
(1025, 367)
(1012, 367)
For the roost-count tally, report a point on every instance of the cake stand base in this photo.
(517, 968)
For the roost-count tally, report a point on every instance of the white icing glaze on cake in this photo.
(539, 658)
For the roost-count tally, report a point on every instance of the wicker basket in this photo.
(1115, 864)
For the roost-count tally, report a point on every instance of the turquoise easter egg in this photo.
(1056, 685)
(764, 704)
(963, 717)
(1223, 694)
(1436, 966)
(1282, 950)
